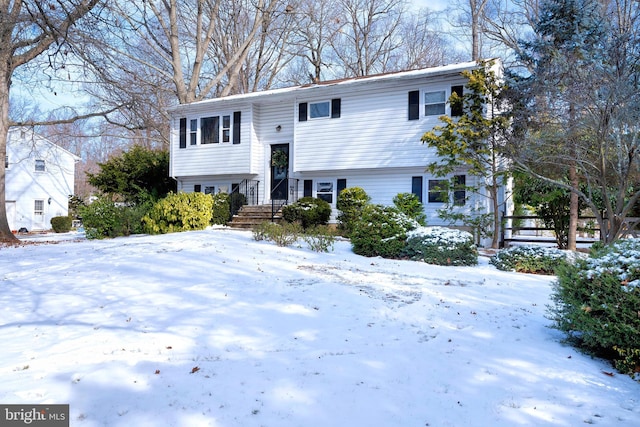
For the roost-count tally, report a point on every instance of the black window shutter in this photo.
(459, 190)
(308, 188)
(197, 188)
(456, 107)
(335, 108)
(302, 112)
(414, 105)
(236, 127)
(342, 184)
(183, 132)
(416, 187)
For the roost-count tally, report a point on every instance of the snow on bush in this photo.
(531, 259)
(441, 246)
(381, 231)
(597, 303)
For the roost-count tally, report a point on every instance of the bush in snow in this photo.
(61, 224)
(179, 212)
(285, 234)
(529, 259)
(221, 210)
(441, 246)
(411, 206)
(319, 238)
(351, 201)
(597, 303)
(103, 218)
(381, 231)
(308, 211)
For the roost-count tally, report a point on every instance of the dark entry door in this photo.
(279, 171)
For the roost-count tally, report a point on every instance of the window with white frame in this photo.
(40, 165)
(435, 103)
(193, 131)
(324, 191)
(209, 190)
(38, 207)
(226, 128)
(318, 110)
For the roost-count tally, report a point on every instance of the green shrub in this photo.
(221, 212)
(597, 301)
(101, 218)
(61, 224)
(281, 234)
(441, 246)
(319, 238)
(351, 201)
(381, 231)
(411, 206)
(530, 259)
(237, 200)
(179, 212)
(308, 211)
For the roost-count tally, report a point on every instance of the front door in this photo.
(279, 171)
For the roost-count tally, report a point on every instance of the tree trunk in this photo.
(5, 232)
(574, 210)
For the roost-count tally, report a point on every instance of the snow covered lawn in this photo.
(213, 328)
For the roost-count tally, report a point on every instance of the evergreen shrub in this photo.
(61, 224)
(105, 219)
(308, 211)
(411, 206)
(530, 259)
(597, 303)
(179, 212)
(441, 246)
(351, 201)
(221, 211)
(381, 231)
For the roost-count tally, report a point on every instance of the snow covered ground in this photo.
(212, 328)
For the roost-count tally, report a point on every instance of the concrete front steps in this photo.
(250, 216)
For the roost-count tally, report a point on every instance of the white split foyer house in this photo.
(317, 139)
(38, 182)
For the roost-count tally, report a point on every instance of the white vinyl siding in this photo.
(372, 132)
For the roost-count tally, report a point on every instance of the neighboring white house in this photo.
(38, 182)
(316, 139)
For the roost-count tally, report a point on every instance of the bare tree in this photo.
(369, 36)
(466, 18)
(29, 31)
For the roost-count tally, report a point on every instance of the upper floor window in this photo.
(226, 128)
(319, 110)
(210, 130)
(193, 131)
(40, 166)
(434, 103)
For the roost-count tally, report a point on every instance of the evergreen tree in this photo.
(575, 114)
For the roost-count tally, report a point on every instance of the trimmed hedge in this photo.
(381, 231)
(597, 302)
(61, 224)
(441, 246)
(530, 259)
(308, 211)
(351, 201)
(179, 212)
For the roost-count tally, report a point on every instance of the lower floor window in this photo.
(324, 191)
(438, 191)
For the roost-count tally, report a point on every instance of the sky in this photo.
(213, 328)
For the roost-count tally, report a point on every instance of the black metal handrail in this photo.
(292, 188)
(245, 193)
